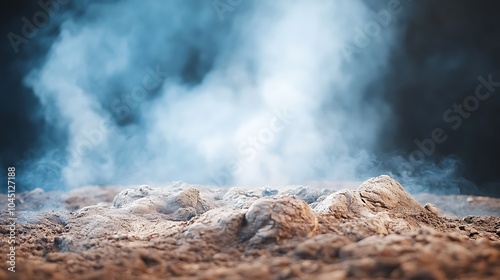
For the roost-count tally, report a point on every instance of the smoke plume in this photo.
(233, 93)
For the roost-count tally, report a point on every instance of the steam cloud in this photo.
(149, 92)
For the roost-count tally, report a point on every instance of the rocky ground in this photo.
(181, 231)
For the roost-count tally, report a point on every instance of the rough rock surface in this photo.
(182, 231)
(179, 202)
(277, 218)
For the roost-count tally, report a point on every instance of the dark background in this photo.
(444, 47)
(441, 49)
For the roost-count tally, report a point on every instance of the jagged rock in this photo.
(432, 208)
(240, 198)
(218, 224)
(374, 195)
(269, 192)
(277, 218)
(343, 202)
(180, 203)
(306, 193)
(181, 232)
(384, 192)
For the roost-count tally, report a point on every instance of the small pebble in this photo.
(431, 208)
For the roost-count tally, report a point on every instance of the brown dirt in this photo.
(190, 232)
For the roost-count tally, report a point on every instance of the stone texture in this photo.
(278, 218)
(182, 231)
(179, 202)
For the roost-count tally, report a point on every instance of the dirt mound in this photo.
(278, 218)
(179, 202)
(298, 232)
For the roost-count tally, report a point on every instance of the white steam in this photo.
(163, 90)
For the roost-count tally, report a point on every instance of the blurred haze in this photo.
(252, 93)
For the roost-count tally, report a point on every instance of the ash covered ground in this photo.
(182, 231)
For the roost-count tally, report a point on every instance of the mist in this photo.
(251, 114)
(237, 93)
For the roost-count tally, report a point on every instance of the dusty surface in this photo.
(182, 231)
